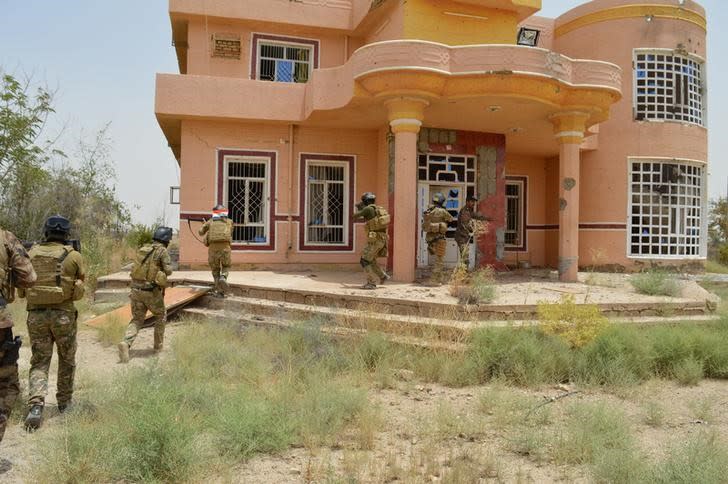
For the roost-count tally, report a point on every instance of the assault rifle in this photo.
(75, 243)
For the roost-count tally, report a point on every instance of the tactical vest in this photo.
(432, 221)
(6, 289)
(51, 287)
(379, 222)
(219, 231)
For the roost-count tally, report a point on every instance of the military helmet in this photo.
(57, 225)
(162, 234)
(368, 198)
(438, 199)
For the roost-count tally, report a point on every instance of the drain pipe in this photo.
(290, 190)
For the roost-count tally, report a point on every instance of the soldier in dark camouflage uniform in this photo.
(54, 323)
(148, 294)
(376, 241)
(15, 270)
(464, 230)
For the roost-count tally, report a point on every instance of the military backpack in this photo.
(219, 231)
(51, 287)
(380, 221)
(6, 290)
(146, 267)
(432, 221)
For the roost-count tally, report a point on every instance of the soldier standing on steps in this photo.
(377, 220)
(15, 269)
(435, 221)
(464, 231)
(52, 316)
(218, 233)
(148, 280)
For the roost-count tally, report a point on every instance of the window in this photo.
(515, 208)
(528, 37)
(247, 198)
(668, 85)
(327, 197)
(666, 209)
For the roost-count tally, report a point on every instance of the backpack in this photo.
(380, 221)
(6, 291)
(219, 231)
(51, 287)
(431, 224)
(145, 266)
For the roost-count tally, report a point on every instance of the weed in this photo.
(530, 442)
(506, 406)
(475, 288)
(617, 357)
(702, 458)
(689, 371)
(654, 414)
(702, 409)
(655, 282)
(619, 466)
(112, 331)
(577, 324)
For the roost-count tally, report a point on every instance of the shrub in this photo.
(703, 458)
(476, 288)
(655, 282)
(577, 324)
(689, 371)
(618, 356)
(139, 234)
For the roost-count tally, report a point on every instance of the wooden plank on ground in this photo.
(174, 298)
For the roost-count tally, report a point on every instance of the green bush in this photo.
(655, 282)
(703, 458)
(619, 356)
(139, 234)
(577, 324)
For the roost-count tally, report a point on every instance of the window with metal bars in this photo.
(514, 214)
(284, 62)
(327, 218)
(668, 85)
(247, 199)
(667, 200)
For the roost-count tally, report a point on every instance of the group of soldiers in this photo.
(435, 222)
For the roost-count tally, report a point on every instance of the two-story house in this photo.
(584, 136)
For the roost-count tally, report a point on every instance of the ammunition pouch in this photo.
(10, 349)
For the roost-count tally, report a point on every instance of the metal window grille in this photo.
(247, 199)
(326, 214)
(668, 86)
(666, 209)
(284, 63)
(441, 168)
(514, 213)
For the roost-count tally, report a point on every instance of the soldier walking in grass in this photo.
(465, 229)
(52, 316)
(15, 270)
(148, 280)
(435, 222)
(377, 220)
(218, 236)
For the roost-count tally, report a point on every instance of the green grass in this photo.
(715, 267)
(655, 282)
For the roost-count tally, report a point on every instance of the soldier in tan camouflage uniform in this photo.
(218, 233)
(377, 219)
(52, 316)
(15, 270)
(464, 231)
(435, 221)
(149, 278)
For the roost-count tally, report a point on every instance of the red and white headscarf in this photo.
(222, 213)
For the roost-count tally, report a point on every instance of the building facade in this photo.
(584, 136)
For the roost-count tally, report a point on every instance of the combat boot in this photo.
(223, 285)
(34, 418)
(62, 407)
(384, 278)
(369, 285)
(123, 352)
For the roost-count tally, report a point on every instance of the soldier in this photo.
(218, 233)
(435, 221)
(377, 220)
(52, 316)
(15, 269)
(148, 280)
(465, 229)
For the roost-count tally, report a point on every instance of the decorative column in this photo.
(569, 128)
(405, 119)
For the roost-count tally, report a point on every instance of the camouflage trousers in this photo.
(45, 327)
(9, 387)
(376, 247)
(219, 260)
(141, 301)
(437, 248)
(464, 255)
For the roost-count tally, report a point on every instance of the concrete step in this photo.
(224, 315)
(108, 295)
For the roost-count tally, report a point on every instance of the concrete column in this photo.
(569, 128)
(405, 120)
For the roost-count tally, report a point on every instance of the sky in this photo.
(101, 58)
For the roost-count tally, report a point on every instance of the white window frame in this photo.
(699, 119)
(347, 201)
(520, 232)
(266, 195)
(259, 68)
(703, 215)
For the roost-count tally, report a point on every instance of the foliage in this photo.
(139, 234)
(655, 282)
(577, 324)
(475, 288)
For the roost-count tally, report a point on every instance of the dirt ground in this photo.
(419, 432)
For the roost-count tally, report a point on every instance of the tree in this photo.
(718, 229)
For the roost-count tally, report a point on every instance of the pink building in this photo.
(584, 136)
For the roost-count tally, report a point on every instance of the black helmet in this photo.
(368, 198)
(218, 207)
(57, 226)
(163, 235)
(438, 199)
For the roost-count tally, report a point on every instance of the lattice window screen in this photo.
(326, 214)
(247, 200)
(514, 213)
